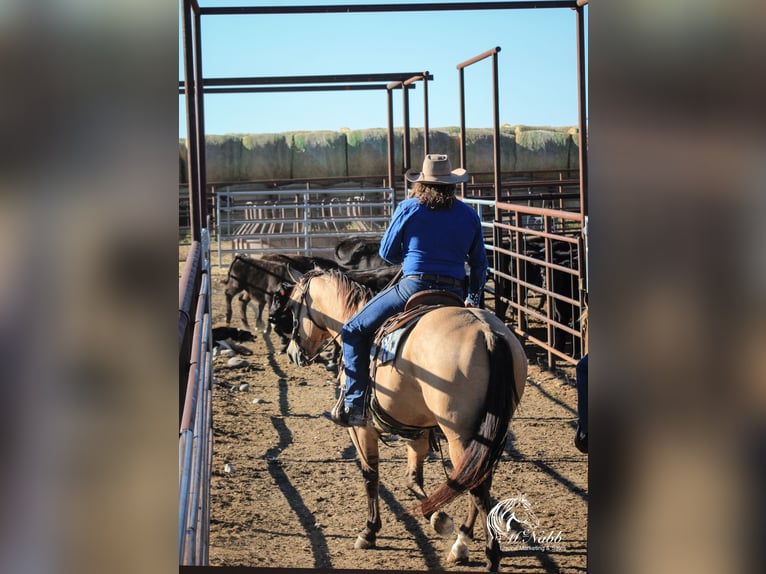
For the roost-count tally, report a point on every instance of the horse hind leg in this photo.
(482, 501)
(460, 550)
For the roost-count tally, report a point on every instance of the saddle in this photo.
(387, 340)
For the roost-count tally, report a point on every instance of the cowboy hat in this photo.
(437, 169)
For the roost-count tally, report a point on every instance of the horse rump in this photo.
(488, 442)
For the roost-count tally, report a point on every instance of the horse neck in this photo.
(327, 303)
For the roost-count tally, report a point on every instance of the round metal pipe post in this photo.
(425, 113)
(496, 120)
(191, 121)
(582, 109)
(461, 81)
(406, 147)
(390, 98)
(199, 99)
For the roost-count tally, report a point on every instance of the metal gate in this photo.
(537, 271)
(308, 221)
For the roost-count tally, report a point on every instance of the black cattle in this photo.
(302, 263)
(563, 284)
(258, 278)
(359, 253)
(239, 335)
(281, 319)
(375, 279)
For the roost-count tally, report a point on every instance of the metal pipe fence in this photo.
(537, 269)
(308, 221)
(195, 429)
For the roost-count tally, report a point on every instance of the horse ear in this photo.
(294, 274)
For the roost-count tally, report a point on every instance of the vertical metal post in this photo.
(499, 262)
(461, 78)
(200, 107)
(425, 114)
(496, 122)
(390, 97)
(306, 222)
(406, 148)
(191, 123)
(583, 158)
(582, 109)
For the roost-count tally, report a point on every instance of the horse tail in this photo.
(486, 446)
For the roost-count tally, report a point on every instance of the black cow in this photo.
(259, 278)
(563, 284)
(375, 279)
(281, 318)
(301, 263)
(359, 253)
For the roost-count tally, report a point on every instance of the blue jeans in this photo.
(358, 332)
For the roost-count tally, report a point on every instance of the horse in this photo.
(460, 370)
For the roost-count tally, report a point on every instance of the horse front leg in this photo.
(366, 442)
(416, 454)
(417, 449)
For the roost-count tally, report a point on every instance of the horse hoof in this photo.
(363, 544)
(460, 557)
(442, 523)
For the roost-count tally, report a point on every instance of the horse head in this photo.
(307, 334)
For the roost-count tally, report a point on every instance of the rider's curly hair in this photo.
(435, 196)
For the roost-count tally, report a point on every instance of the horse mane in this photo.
(351, 294)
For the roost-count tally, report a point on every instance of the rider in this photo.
(432, 235)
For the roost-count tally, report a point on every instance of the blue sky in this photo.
(537, 66)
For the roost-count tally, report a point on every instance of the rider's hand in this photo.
(467, 303)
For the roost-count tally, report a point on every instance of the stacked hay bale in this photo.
(297, 155)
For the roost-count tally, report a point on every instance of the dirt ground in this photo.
(292, 493)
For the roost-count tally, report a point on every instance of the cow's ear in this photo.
(294, 273)
(282, 293)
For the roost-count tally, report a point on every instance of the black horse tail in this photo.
(487, 444)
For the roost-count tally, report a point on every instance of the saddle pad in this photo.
(385, 346)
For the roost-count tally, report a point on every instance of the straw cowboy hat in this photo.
(437, 169)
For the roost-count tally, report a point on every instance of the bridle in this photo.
(295, 310)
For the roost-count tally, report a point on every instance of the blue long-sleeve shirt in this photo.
(440, 242)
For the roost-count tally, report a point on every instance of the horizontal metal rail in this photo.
(353, 8)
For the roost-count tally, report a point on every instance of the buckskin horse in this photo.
(459, 369)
